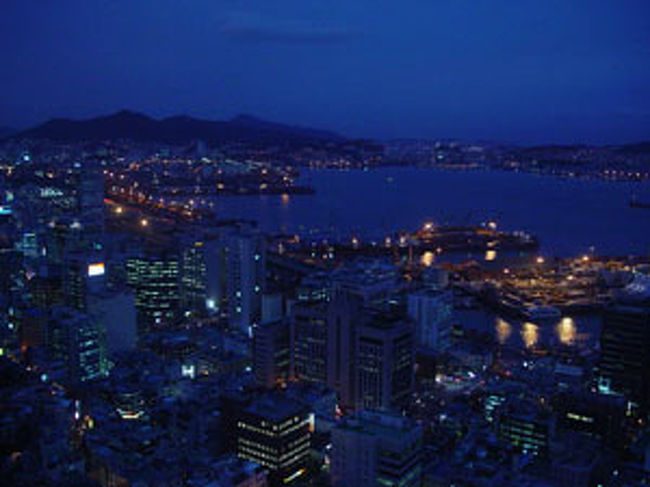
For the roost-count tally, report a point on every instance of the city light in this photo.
(96, 269)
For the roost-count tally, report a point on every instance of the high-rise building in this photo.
(271, 353)
(275, 432)
(246, 278)
(62, 235)
(77, 339)
(115, 311)
(309, 341)
(371, 282)
(342, 324)
(203, 282)
(385, 361)
(624, 367)
(371, 449)
(525, 426)
(432, 311)
(156, 285)
(90, 201)
(83, 275)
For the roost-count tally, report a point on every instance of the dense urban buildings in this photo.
(449, 287)
(159, 345)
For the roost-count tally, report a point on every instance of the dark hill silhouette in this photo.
(177, 129)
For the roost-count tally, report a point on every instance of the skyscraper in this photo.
(624, 366)
(90, 201)
(83, 274)
(431, 310)
(193, 276)
(77, 339)
(155, 282)
(271, 353)
(246, 269)
(385, 361)
(309, 341)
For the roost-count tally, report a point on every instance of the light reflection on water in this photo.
(566, 331)
(504, 330)
(427, 258)
(581, 331)
(530, 334)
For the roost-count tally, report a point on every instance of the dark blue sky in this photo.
(515, 70)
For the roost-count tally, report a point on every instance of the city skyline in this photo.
(325, 244)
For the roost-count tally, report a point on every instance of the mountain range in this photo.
(138, 127)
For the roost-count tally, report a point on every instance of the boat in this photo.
(635, 203)
(542, 313)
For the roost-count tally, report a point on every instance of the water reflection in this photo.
(285, 198)
(530, 334)
(504, 330)
(566, 331)
(427, 258)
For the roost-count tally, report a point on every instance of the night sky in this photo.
(509, 70)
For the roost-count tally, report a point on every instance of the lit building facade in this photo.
(275, 432)
(156, 285)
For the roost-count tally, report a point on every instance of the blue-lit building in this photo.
(246, 278)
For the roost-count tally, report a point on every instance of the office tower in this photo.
(624, 366)
(525, 426)
(431, 311)
(342, 323)
(315, 287)
(371, 282)
(78, 340)
(272, 307)
(33, 328)
(62, 235)
(271, 353)
(435, 278)
(45, 291)
(115, 311)
(155, 283)
(592, 414)
(275, 432)
(90, 201)
(83, 275)
(11, 262)
(385, 361)
(309, 341)
(246, 268)
(214, 252)
(371, 449)
(200, 266)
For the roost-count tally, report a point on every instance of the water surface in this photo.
(569, 216)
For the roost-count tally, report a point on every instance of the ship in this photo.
(635, 203)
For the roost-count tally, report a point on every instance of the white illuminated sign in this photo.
(96, 269)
